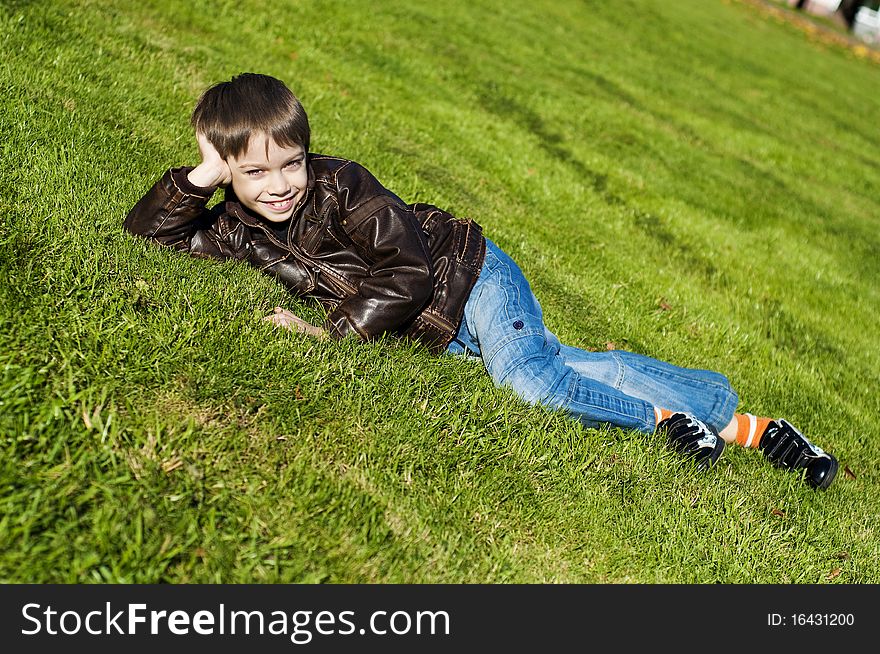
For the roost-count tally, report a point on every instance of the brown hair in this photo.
(230, 112)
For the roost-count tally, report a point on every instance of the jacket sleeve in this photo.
(400, 280)
(174, 213)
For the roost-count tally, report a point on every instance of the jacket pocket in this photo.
(313, 232)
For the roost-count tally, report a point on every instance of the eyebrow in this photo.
(263, 164)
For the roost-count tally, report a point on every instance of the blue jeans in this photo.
(504, 326)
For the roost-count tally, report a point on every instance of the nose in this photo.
(277, 184)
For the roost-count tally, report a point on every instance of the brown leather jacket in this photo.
(379, 265)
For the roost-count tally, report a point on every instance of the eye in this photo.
(253, 172)
(296, 163)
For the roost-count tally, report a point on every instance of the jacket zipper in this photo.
(437, 322)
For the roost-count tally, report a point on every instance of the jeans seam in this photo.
(662, 372)
(621, 371)
(648, 418)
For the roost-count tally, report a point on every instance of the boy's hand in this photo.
(284, 318)
(213, 171)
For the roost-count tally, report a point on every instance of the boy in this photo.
(326, 228)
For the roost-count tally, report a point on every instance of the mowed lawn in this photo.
(694, 180)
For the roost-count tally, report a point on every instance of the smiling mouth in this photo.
(280, 205)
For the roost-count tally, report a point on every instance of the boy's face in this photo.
(269, 179)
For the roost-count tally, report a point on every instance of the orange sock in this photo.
(749, 429)
(660, 415)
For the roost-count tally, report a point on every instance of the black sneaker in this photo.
(693, 438)
(787, 448)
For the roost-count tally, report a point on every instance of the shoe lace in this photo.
(790, 448)
(692, 433)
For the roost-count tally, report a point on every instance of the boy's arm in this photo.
(401, 280)
(174, 212)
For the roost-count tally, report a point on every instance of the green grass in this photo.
(689, 180)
